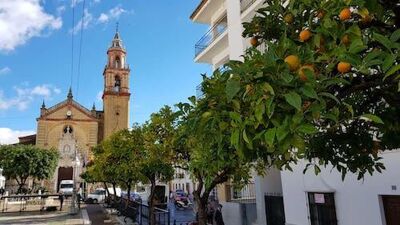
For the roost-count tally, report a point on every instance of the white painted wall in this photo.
(357, 202)
(235, 29)
(269, 184)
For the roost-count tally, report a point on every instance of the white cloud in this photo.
(25, 95)
(5, 70)
(20, 20)
(9, 136)
(113, 13)
(85, 21)
(60, 9)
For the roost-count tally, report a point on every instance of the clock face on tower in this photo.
(69, 113)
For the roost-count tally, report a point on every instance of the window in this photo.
(117, 62)
(117, 85)
(68, 129)
(322, 208)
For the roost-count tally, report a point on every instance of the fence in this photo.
(211, 35)
(245, 194)
(139, 212)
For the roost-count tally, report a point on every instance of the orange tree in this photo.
(324, 90)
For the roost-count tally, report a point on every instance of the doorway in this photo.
(64, 173)
(391, 205)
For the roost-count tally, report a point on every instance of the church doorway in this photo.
(64, 173)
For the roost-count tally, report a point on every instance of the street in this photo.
(181, 216)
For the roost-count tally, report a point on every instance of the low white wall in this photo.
(357, 202)
(231, 213)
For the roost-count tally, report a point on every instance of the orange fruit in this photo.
(345, 14)
(288, 18)
(345, 40)
(321, 13)
(293, 62)
(366, 19)
(306, 105)
(254, 41)
(305, 35)
(302, 73)
(343, 67)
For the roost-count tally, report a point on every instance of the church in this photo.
(73, 130)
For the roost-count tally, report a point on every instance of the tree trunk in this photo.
(115, 193)
(105, 187)
(128, 187)
(151, 203)
(201, 208)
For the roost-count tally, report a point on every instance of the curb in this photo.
(85, 217)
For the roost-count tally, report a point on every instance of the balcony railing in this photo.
(211, 36)
(246, 194)
(125, 67)
(245, 4)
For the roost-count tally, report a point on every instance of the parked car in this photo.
(100, 194)
(134, 196)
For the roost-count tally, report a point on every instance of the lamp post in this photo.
(76, 164)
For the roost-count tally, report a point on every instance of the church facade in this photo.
(74, 130)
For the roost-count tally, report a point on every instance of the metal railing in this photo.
(245, 4)
(211, 35)
(246, 194)
(139, 212)
(124, 67)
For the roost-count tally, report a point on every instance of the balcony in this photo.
(206, 10)
(245, 4)
(212, 35)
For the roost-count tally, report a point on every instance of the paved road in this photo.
(96, 213)
(180, 215)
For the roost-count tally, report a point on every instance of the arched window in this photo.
(117, 62)
(68, 129)
(117, 85)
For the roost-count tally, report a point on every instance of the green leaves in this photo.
(309, 91)
(232, 87)
(270, 136)
(372, 117)
(293, 99)
(307, 129)
(382, 40)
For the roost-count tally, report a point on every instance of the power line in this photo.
(72, 45)
(80, 47)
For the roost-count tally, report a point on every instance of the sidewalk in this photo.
(41, 218)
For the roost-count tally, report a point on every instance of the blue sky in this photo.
(35, 55)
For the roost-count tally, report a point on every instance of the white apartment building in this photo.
(181, 181)
(307, 199)
(221, 43)
(326, 199)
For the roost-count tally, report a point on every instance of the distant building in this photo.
(181, 181)
(73, 130)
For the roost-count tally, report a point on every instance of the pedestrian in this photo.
(61, 198)
(2, 190)
(218, 216)
(78, 199)
(210, 212)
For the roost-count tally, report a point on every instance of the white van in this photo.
(66, 187)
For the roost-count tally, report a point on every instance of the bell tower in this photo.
(116, 92)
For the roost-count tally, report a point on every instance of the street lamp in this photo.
(76, 163)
